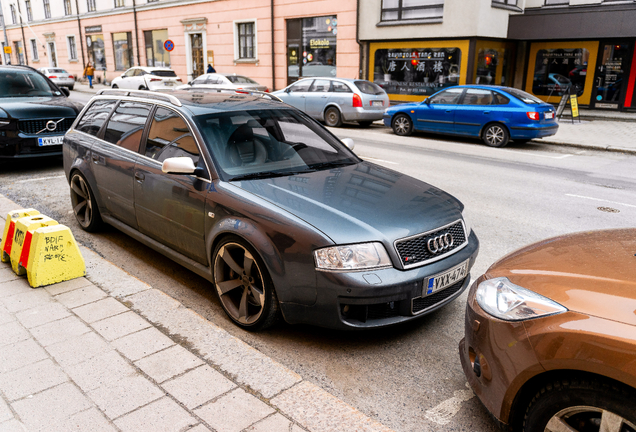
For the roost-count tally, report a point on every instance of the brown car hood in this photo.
(591, 272)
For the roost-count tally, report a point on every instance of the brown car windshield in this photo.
(270, 143)
(25, 84)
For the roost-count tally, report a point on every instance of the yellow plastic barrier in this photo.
(53, 257)
(24, 228)
(9, 231)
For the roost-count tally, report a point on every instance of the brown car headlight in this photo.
(361, 256)
(509, 302)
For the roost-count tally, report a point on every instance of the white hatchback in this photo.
(59, 76)
(147, 78)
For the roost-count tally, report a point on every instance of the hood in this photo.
(25, 108)
(593, 272)
(360, 202)
(403, 107)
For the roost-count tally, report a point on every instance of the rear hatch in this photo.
(166, 78)
(373, 96)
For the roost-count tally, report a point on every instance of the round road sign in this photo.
(168, 45)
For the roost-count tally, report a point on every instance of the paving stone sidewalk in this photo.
(107, 352)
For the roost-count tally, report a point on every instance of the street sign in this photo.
(574, 106)
(168, 45)
(7, 50)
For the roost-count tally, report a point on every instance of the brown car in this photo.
(550, 339)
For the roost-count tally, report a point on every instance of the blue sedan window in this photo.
(450, 96)
(477, 97)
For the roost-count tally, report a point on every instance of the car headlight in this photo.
(467, 223)
(352, 257)
(509, 302)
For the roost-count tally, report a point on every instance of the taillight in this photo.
(155, 79)
(266, 90)
(179, 79)
(71, 77)
(533, 115)
(357, 101)
(52, 76)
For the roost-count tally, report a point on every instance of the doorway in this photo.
(52, 55)
(611, 73)
(196, 45)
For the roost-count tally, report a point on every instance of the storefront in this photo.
(156, 54)
(311, 47)
(95, 47)
(123, 50)
(494, 62)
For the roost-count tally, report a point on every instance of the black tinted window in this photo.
(369, 87)
(340, 87)
(95, 116)
(523, 96)
(126, 125)
(164, 73)
(501, 99)
(477, 97)
(170, 136)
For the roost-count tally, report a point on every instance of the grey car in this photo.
(276, 212)
(336, 100)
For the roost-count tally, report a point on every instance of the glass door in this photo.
(611, 70)
(196, 42)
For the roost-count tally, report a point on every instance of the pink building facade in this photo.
(310, 38)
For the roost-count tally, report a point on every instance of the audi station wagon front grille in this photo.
(32, 127)
(420, 304)
(414, 251)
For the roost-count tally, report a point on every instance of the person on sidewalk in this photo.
(89, 72)
(210, 69)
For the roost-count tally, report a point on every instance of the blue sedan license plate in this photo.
(446, 279)
(49, 141)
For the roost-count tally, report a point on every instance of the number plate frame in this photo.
(445, 279)
(548, 115)
(50, 141)
(377, 103)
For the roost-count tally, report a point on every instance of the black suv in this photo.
(263, 201)
(34, 114)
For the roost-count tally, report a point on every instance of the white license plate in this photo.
(549, 115)
(49, 141)
(377, 103)
(168, 83)
(446, 279)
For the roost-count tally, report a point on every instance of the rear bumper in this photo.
(533, 131)
(362, 114)
(64, 82)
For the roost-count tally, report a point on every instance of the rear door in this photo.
(317, 97)
(171, 208)
(438, 114)
(477, 108)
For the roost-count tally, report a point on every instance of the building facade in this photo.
(272, 41)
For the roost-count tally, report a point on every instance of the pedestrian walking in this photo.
(89, 71)
(210, 69)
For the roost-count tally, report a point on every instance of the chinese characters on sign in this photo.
(560, 70)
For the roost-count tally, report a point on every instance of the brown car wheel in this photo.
(243, 285)
(581, 405)
(84, 204)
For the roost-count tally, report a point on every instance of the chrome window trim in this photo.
(437, 258)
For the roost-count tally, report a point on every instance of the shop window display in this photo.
(558, 71)
(317, 55)
(156, 55)
(122, 46)
(421, 71)
(96, 53)
(493, 63)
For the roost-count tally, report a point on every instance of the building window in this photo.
(47, 9)
(122, 47)
(404, 10)
(67, 7)
(246, 40)
(557, 2)
(17, 48)
(156, 55)
(311, 46)
(13, 16)
(559, 70)
(513, 3)
(120, 3)
(29, 12)
(91, 5)
(96, 51)
(34, 50)
(72, 48)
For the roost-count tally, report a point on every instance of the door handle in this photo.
(140, 177)
(94, 157)
(449, 110)
(486, 112)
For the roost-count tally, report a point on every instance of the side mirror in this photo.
(189, 83)
(65, 91)
(178, 165)
(287, 90)
(348, 142)
(427, 101)
(123, 75)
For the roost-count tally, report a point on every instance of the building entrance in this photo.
(196, 42)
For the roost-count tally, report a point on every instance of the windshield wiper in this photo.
(268, 174)
(325, 165)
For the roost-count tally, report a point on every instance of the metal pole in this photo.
(273, 51)
(26, 57)
(7, 58)
(136, 32)
(79, 28)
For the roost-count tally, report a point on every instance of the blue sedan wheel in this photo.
(402, 125)
(496, 135)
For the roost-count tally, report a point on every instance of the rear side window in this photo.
(321, 86)
(523, 96)
(170, 136)
(477, 97)
(95, 116)
(126, 125)
(164, 73)
(501, 99)
(368, 87)
(340, 87)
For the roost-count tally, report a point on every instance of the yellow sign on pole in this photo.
(574, 105)
(7, 50)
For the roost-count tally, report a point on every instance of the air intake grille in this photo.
(422, 303)
(34, 126)
(414, 251)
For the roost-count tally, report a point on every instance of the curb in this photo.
(587, 146)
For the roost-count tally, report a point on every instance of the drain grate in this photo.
(608, 209)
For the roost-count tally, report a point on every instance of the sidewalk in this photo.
(107, 352)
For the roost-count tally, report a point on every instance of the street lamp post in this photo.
(7, 59)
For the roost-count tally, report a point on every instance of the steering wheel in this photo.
(296, 147)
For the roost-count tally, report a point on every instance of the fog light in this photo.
(345, 309)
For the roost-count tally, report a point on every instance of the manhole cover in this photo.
(608, 209)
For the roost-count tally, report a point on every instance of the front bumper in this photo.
(18, 146)
(378, 298)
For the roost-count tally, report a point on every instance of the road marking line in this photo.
(379, 160)
(443, 413)
(601, 200)
(38, 179)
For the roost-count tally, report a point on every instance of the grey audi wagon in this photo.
(276, 212)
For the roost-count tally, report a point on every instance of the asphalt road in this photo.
(409, 376)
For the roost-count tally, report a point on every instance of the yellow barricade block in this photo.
(53, 257)
(9, 231)
(24, 228)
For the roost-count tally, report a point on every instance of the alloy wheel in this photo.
(495, 135)
(587, 418)
(239, 283)
(402, 125)
(82, 201)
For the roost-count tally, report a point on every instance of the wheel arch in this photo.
(492, 122)
(330, 105)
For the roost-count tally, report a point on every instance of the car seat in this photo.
(244, 148)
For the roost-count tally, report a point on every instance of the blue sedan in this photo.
(494, 114)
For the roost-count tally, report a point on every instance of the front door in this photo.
(611, 74)
(438, 114)
(52, 56)
(196, 44)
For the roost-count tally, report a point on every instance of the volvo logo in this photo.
(51, 125)
(440, 243)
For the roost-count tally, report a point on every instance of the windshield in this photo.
(270, 143)
(19, 83)
(164, 73)
(523, 96)
(237, 79)
(369, 87)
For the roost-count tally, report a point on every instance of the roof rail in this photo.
(145, 93)
(233, 90)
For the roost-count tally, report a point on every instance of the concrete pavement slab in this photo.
(90, 420)
(13, 287)
(26, 300)
(143, 343)
(20, 354)
(101, 370)
(200, 428)
(163, 415)
(198, 386)
(108, 276)
(120, 325)
(234, 412)
(42, 314)
(81, 296)
(13, 332)
(31, 379)
(7, 274)
(67, 286)
(5, 316)
(13, 425)
(5, 411)
(99, 310)
(79, 349)
(125, 396)
(275, 422)
(60, 330)
(168, 363)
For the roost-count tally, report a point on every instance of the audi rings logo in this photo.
(440, 243)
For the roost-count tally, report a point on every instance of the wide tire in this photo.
(143, 88)
(495, 135)
(402, 125)
(333, 117)
(581, 405)
(84, 204)
(114, 86)
(243, 285)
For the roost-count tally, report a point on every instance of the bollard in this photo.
(22, 238)
(9, 230)
(53, 256)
